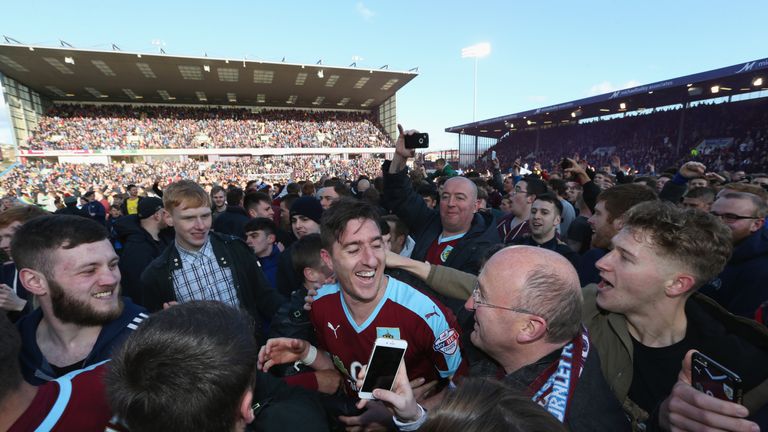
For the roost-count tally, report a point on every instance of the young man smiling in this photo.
(364, 304)
(543, 221)
(68, 263)
(203, 265)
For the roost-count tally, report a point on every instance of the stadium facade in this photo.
(734, 83)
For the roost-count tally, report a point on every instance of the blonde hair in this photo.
(185, 191)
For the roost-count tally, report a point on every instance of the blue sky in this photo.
(542, 52)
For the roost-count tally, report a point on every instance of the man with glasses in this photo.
(514, 225)
(528, 319)
(740, 288)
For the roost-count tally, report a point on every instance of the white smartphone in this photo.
(493, 155)
(382, 366)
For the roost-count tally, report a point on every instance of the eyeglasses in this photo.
(478, 300)
(730, 217)
(518, 190)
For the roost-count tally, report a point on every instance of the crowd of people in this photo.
(126, 127)
(44, 183)
(648, 142)
(188, 295)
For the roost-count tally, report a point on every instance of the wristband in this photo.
(310, 357)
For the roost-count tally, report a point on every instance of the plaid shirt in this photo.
(201, 278)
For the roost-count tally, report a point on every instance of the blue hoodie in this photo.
(743, 285)
(38, 371)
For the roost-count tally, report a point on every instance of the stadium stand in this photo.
(105, 127)
(726, 136)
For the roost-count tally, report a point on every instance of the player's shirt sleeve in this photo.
(437, 326)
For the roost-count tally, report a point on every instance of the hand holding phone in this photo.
(417, 140)
(714, 379)
(382, 366)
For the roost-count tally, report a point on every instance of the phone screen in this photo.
(715, 380)
(383, 368)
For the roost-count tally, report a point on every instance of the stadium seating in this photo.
(642, 140)
(91, 127)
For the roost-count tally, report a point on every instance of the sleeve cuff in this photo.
(414, 425)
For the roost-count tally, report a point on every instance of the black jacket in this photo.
(232, 221)
(279, 407)
(139, 249)
(253, 291)
(553, 245)
(425, 227)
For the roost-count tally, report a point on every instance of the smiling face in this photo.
(458, 203)
(357, 258)
(219, 199)
(191, 224)
(85, 285)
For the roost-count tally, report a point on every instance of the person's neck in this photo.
(267, 252)
(522, 217)
(528, 354)
(544, 238)
(151, 227)
(361, 311)
(660, 326)
(16, 404)
(67, 339)
(451, 233)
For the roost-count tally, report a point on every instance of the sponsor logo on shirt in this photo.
(447, 342)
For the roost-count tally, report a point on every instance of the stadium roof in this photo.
(70, 74)
(732, 80)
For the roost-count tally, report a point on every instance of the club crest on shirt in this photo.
(388, 332)
(448, 342)
(446, 253)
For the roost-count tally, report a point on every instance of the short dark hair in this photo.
(34, 242)
(294, 188)
(289, 199)
(698, 240)
(260, 224)
(10, 346)
(185, 368)
(649, 181)
(623, 197)
(558, 186)
(401, 228)
(704, 193)
(334, 220)
(216, 189)
(234, 196)
(535, 186)
(428, 191)
(552, 199)
(254, 198)
(305, 253)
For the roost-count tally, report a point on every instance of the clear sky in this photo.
(543, 52)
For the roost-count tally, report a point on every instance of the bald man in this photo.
(455, 235)
(528, 319)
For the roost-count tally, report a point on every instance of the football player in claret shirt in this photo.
(365, 304)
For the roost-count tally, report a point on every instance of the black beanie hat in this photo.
(307, 206)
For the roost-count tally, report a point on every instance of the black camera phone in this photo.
(714, 379)
(418, 140)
